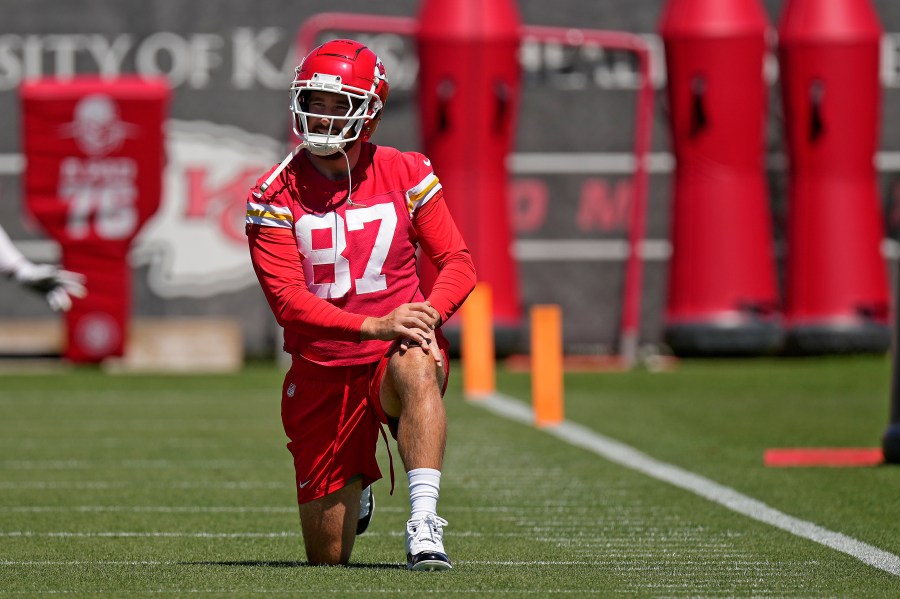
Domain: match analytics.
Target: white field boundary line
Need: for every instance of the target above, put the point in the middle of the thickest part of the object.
(631, 458)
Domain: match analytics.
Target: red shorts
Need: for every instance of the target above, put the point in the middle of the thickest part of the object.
(332, 416)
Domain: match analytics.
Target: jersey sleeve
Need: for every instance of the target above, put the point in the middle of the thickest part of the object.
(427, 188)
(271, 208)
(277, 264)
(439, 237)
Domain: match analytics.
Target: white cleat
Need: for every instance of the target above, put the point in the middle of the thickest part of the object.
(425, 544)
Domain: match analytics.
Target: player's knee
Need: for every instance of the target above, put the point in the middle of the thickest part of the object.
(413, 369)
(333, 555)
(327, 561)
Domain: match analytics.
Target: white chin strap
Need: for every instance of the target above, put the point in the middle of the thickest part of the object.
(325, 144)
(281, 167)
(317, 149)
(294, 152)
(323, 148)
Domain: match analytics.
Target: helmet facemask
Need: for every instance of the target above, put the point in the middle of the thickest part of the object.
(343, 67)
(364, 107)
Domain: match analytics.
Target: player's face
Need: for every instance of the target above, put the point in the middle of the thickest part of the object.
(328, 105)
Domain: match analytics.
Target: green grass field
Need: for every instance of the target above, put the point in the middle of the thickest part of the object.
(125, 485)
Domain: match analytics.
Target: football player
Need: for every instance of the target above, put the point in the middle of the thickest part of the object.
(334, 232)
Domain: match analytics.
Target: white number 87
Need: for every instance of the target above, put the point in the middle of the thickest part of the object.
(373, 279)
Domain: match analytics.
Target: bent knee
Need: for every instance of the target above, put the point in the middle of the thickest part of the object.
(328, 554)
(327, 561)
(414, 367)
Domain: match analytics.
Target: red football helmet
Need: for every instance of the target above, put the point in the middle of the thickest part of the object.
(341, 67)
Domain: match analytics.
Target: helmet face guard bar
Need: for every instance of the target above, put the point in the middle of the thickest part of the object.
(340, 66)
(363, 105)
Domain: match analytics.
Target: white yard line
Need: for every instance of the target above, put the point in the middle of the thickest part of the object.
(79, 562)
(151, 534)
(183, 563)
(117, 534)
(295, 592)
(118, 484)
(153, 509)
(227, 509)
(162, 464)
(631, 458)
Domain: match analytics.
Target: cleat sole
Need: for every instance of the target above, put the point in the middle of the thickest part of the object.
(429, 566)
(429, 562)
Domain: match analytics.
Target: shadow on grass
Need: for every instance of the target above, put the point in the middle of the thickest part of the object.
(291, 564)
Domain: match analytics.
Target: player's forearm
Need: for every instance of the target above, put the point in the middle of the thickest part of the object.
(280, 274)
(371, 328)
(454, 283)
(297, 309)
(443, 244)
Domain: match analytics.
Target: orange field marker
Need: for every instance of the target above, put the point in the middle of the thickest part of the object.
(546, 364)
(477, 337)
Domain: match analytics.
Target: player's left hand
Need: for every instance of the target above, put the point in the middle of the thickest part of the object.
(57, 285)
(429, 346)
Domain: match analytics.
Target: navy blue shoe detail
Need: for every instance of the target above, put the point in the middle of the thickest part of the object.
(363, 524)
(428, 561)
(425, 543)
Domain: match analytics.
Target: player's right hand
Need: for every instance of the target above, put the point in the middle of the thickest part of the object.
(414, 321)
(57, 286)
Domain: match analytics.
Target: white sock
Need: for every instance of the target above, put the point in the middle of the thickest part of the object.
(424, 488)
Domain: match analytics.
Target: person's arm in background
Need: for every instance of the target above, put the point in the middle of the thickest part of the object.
(56, 285)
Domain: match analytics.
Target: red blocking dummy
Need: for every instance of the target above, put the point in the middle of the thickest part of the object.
(722, 296)
(836, 296)
(94, 154)
(469, 80)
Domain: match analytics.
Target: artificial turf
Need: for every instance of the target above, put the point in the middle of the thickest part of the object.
(128, 485)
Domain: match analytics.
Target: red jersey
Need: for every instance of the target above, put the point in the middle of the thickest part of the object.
(326, 263)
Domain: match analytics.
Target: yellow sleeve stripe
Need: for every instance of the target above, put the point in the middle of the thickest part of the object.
(421, 193)
(269, 216)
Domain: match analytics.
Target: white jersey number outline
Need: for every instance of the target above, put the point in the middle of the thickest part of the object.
(101, 194)
(113, 210)
(373, 279)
